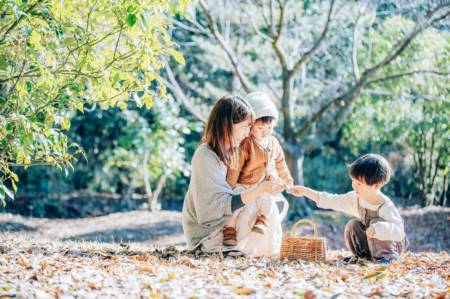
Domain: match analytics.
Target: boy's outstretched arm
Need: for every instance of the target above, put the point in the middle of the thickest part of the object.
(304, 191)
(346, 203)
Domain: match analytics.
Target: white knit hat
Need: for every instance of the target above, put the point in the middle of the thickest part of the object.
(262, 105)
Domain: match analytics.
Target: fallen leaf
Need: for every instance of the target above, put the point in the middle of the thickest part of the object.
(23, 262)
(309, 295)
(379, 272)
(441, 295)
(91, 285)
(376, 292)
(171, 276)
(148, 269)
(244, 291)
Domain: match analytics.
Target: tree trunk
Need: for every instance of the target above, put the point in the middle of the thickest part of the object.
(301, 207)
(294, 162)
(443, 198)
(152, 197)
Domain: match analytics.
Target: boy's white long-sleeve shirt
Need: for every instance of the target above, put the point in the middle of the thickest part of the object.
(389, 229)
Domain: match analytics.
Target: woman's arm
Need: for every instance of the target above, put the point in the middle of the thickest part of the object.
(211, 195)
(270, 187)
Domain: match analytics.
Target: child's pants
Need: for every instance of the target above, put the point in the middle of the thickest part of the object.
(357, 242)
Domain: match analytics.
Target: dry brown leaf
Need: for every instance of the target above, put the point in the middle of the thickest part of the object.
(376, 292)
(188, 263)
(147, 269)
(267, 285)
(23, 262)
(91, 285)
(171, 276)
(309, 295)
(145, 257)
(441, 295)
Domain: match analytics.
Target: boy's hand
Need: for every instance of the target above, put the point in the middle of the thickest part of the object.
(296, 191)
(370, 232)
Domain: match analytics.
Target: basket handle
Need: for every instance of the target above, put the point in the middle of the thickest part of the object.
(304, 221)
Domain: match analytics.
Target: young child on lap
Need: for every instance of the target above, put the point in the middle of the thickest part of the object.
(259, 158)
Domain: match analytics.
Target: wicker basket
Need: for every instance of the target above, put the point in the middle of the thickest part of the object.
(312, 249)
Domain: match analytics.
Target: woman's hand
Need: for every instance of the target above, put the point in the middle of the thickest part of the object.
(271, 187)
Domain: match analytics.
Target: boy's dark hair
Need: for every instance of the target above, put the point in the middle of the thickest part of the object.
(266, 119)
(371, 169)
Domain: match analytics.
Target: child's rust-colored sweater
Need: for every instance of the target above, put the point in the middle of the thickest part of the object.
(257, 162)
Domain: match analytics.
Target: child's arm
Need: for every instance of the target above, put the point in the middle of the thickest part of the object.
(236, 163)
(280, 165)
(345, 203)
(391, 228)
(304, 191)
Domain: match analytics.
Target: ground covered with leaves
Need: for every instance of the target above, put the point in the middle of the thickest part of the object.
(131, 254)
(67, 269)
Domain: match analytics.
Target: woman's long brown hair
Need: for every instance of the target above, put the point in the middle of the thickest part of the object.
(218, 132)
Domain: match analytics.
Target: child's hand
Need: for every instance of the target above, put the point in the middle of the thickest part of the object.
(275, 179)
(370, 232)
(296, 191)
(270, 187)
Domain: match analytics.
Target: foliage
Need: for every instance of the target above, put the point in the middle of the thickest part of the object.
(361, 63)
(407, 117)
(57, 57)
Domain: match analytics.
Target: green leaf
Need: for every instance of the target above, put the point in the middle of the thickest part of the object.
(3, 63)
(2, 192)
(14, 176)
(148, 101)
(65, 124)
(178, 56)
(144, 21)
(8, 192)
(131, 20)
(14, 186)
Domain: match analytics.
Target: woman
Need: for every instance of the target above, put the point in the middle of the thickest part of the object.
(210, 201)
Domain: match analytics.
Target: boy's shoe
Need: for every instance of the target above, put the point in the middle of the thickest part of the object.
(232, 253)
(349, 259)
(353, 260)
(260, 225)
(385, 260)
(229, 236)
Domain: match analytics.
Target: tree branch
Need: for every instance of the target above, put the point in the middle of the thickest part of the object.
(355, 67)
(353, 92)
(196, 29)
(420, 27)
(180, 96)
(276, 38)
(231, 56)
(3, 107)
(15, 23)
(315, 47)
(395, 76)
